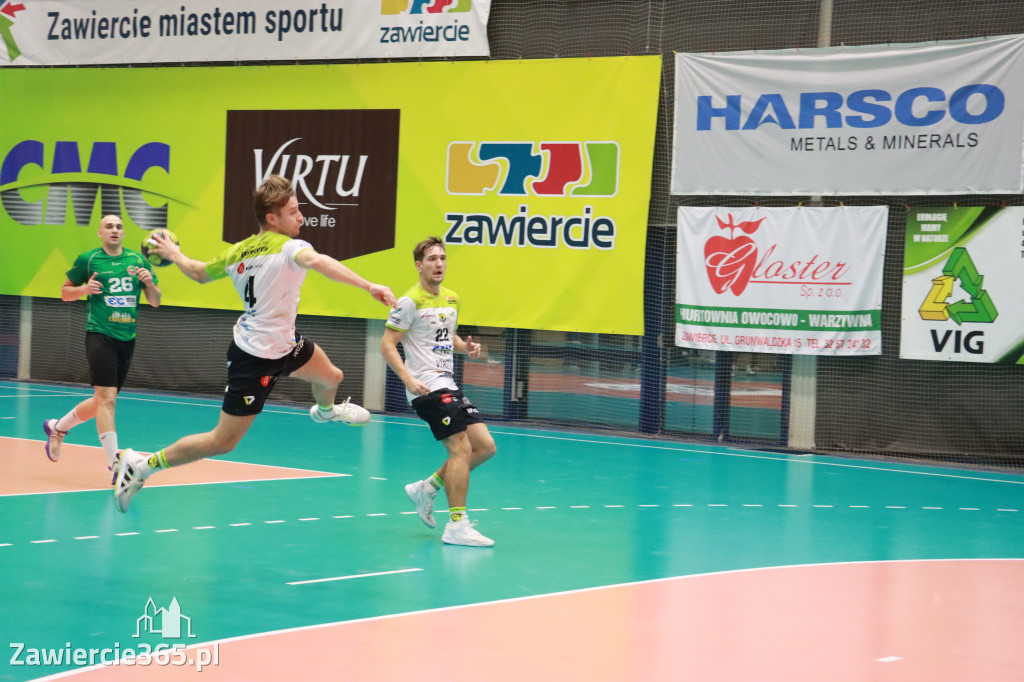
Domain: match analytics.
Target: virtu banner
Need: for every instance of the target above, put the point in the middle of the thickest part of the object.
(802, 281)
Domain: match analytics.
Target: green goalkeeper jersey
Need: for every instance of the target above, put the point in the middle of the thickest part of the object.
(114, 311)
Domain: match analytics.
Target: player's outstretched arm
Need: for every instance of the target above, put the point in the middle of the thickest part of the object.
(193, 269)
(333, 269)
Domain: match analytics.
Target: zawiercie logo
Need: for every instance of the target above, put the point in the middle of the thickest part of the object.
(730, 261)
(343, 165)
(959, 268)
(424, 6)
(543, 169)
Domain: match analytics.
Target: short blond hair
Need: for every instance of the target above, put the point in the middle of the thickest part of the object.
(270, 197)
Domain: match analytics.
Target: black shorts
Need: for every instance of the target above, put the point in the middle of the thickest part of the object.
(250, 379)
(447, 412)
(109, 359)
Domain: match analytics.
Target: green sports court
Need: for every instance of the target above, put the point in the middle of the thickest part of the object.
(612, 554)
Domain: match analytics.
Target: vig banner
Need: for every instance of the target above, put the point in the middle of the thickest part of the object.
(802, 281)
(74, 32)
(963, 271)
(535, 173)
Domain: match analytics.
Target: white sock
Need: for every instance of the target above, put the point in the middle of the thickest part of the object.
(68, 421)
(109, 441)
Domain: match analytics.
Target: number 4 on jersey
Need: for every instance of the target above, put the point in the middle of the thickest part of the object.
(249, 297)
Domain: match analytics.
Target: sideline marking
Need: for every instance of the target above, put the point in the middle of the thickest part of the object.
(356, 575)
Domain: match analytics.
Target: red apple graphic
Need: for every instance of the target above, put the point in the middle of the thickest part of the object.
(730, 260)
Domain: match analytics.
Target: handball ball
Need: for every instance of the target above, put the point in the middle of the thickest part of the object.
(155, 258)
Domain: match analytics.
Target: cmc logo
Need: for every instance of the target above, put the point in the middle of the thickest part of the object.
(424, 6)
(61, 162)
(543, 169)
(870, 108)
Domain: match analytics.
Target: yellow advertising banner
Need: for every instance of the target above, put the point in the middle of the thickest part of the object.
(536, 174)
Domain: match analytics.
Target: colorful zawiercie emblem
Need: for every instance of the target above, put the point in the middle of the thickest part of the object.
(424, 6)
(542, 169)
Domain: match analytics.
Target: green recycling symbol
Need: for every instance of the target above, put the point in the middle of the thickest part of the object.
(960, 268)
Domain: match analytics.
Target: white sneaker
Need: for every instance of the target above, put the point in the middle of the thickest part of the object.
(129, 481)
(348, 413)
(463, 533)
(423, 500)
(54, 439)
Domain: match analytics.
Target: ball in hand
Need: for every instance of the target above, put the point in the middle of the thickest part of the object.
(155, 258)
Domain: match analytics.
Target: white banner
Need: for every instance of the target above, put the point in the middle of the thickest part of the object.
(802, 281)
(71, 32)
(963, 271)
(927, 118)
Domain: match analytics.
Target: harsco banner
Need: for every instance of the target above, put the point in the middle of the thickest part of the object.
(73, 32)
(963, 271)
(927, 118)
(540, 193)
(802, 281)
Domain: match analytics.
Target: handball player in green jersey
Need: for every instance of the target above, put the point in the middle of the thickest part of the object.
(424, 322)
(268, 270)
(112, 277)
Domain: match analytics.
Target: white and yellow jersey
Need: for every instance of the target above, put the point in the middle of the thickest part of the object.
(268, 279)
(429, 323)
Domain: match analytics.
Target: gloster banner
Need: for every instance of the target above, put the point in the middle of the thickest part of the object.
(72, 32)
(963, 271)
(926, 118)
(802, 281)
(536, 174)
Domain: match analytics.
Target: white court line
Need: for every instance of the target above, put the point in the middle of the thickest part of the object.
(356, 575)
(47, 395)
